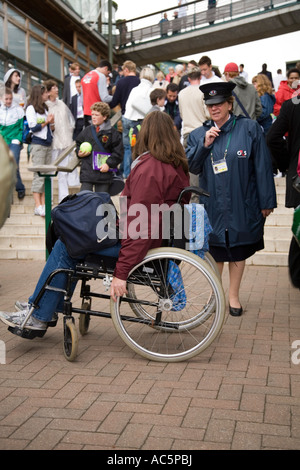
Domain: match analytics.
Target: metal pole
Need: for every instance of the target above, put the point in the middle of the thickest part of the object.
(110, 45)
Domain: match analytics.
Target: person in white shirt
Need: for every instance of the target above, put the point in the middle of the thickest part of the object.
(62, 136)
(192, 108)
(243, 73)
(193, 112)
(182, 12)
(278, 79)
(69, 85)
(207, 73)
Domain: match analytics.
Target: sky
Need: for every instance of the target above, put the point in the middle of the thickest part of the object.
(275, 51)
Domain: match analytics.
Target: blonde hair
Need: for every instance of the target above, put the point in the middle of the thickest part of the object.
(131, 66)
(263, 84)
(102, 108)
(147, 74)
(160, 74)
(74, 66)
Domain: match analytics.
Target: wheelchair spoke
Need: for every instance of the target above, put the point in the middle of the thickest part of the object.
(182, 306)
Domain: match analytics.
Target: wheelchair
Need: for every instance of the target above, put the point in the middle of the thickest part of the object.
(158, 320)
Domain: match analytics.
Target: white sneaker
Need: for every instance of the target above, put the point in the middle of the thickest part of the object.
(17, 318)
(21, 305)
(39, 211)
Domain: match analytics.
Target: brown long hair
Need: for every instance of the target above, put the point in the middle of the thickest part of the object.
(36, 99)
(159, 137)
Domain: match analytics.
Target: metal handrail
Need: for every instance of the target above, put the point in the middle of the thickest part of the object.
(148, 28)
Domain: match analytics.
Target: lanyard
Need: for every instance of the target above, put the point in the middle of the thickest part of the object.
(227, 146)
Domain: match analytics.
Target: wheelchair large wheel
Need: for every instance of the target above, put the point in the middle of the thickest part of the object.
(207, 307)
(178, 302)
(213, 265)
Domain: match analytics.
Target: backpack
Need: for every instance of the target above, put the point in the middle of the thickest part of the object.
(85, 222)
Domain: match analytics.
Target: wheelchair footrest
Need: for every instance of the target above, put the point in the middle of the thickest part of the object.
(26, 333)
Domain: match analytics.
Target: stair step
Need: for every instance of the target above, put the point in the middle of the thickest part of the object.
(263, 258)
(278, 232)
(23, 235)
(24, 218)
(38, 254)
(277, 246)
(22, 230)
(23, 242)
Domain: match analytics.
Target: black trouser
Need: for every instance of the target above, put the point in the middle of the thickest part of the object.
(79, 125)
(99, 187)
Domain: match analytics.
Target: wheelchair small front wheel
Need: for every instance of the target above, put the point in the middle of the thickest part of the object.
(70, 344)
(84, 318)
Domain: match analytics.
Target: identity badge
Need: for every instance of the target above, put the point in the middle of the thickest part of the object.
(220, 166)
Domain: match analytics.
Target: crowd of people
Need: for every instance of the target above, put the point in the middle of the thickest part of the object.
(213, 129)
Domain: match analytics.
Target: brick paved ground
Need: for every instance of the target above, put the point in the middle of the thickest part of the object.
(241, 393)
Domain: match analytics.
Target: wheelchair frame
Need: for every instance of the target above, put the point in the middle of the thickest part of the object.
(150, 319)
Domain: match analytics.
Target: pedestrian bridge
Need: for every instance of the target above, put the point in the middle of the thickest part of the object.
(146, 40)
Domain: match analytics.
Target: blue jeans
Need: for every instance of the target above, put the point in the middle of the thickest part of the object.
(16, 149)
(59, 258)
(125, 166)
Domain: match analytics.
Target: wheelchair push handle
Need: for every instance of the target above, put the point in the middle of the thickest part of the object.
(192, 189)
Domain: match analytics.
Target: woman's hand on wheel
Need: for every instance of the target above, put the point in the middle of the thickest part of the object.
(117, 288)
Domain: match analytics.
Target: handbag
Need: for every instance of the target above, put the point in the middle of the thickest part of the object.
(117, 184)
(85, 222)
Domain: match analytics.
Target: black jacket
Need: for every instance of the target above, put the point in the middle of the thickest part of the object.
(111, 140)
(286, 151)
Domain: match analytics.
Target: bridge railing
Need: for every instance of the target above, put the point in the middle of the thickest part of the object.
(197, 15)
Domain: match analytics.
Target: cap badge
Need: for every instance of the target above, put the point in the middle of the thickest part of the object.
(213, 93)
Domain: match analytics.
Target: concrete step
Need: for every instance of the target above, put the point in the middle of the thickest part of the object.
(22, 230)
(26, 254)
(264, 258)
(23, 235)
(22, 242)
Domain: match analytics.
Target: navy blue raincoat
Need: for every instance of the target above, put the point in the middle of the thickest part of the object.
(237, 195)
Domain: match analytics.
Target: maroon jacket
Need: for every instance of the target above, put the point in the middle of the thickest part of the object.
(150, 182)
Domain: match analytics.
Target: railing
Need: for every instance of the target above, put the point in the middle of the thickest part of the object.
(150, 27)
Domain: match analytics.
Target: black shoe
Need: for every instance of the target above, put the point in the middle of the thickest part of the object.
(21, 194)
(235, 312)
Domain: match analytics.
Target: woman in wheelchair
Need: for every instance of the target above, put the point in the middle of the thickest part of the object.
(158, 175)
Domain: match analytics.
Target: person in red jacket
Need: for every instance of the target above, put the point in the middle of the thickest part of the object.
(94, 88)
(287, 89)
(158, 177)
